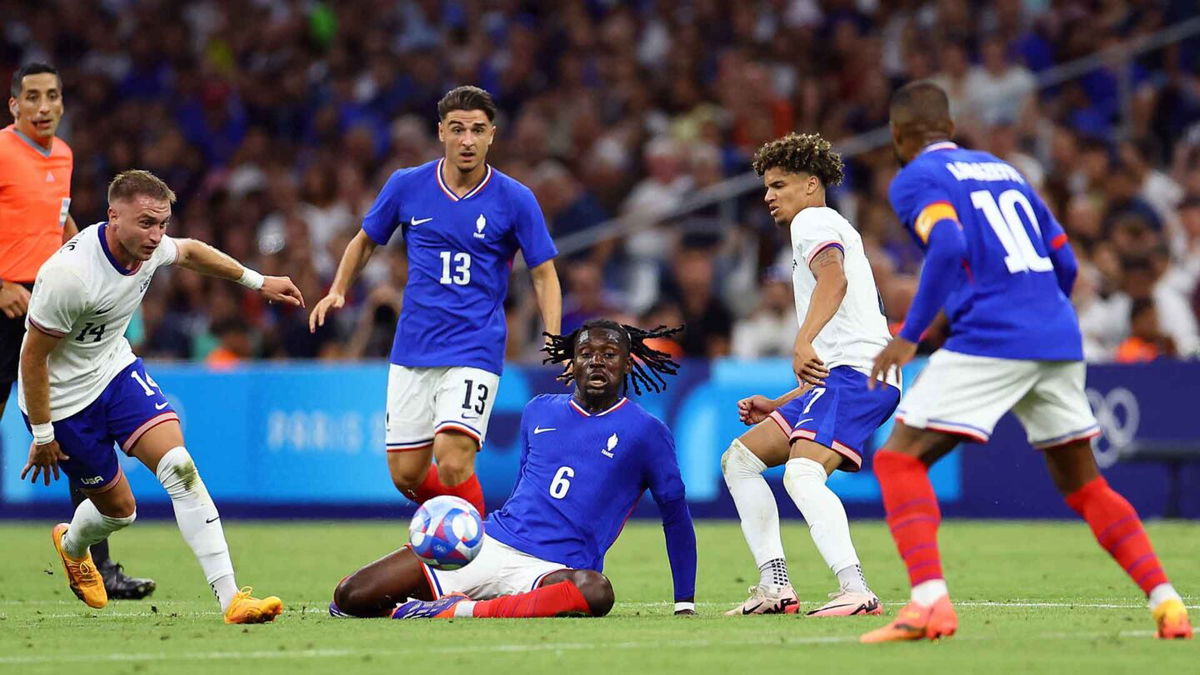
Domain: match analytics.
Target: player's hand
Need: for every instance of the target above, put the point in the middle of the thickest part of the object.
(809, 367)
(897, 353)
(14, 300)
(317, 318)
(755, 409)
(43, 459)
(281, 289)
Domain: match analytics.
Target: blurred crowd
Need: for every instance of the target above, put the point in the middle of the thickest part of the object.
(276, 121)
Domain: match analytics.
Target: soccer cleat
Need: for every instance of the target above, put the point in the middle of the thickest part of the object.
(762, 602)
(1172, 619)
(848, 603)
(82, 576)
(442, 608)
(916, 622)
(121, 586)
(246, 608)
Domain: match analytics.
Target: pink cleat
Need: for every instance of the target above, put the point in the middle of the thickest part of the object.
(762, 602)
(849, 603)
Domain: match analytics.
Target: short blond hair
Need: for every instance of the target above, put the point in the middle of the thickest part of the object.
(135, 182)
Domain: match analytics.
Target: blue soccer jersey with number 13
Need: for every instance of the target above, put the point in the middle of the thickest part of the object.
(1006, 301)
(460, 252)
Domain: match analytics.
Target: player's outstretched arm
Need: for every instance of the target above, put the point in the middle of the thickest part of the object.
(756, 408)
(357, 253)
(198, 256)
(549, 295)
(44, 453)
(827, 267)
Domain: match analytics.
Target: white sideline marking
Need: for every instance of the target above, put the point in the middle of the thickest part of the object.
(633, 605)
(512, 648)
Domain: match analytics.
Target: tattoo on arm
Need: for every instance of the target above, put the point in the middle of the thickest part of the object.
(830, 255)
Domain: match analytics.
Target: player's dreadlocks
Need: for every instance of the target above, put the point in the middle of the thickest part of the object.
(649, 364)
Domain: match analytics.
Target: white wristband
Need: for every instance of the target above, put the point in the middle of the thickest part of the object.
(43, 433)
(680, 606)
(251, 279)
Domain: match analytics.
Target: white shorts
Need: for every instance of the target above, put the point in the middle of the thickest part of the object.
(498, 570)
(966, 395)
(424, 401)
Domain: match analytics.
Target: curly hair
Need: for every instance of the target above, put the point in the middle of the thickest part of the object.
(649, 364)
(801, 153)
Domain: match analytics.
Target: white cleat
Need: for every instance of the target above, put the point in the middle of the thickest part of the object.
(762, 602)
(848, 603)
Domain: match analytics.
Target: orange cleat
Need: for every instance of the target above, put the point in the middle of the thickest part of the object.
(1172, 619)
(82, 575)
(246, 608)
(916, 622)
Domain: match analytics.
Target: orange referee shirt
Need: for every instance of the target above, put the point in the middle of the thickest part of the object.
(35, 195)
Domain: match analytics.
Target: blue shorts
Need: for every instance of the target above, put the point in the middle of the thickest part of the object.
(842, 415)
(129, 406)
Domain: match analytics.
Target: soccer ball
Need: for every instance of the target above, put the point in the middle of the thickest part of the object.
(446, 532)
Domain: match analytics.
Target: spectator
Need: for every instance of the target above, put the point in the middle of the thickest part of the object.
(771, 329)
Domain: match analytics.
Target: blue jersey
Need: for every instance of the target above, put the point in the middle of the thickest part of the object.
(580, 477)
(460, 252)
(1006, 301)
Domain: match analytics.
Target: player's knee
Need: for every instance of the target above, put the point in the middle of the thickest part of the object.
(351, 597)
(407, 476)
(117, 504)
(596, 589)
(739, 461)
(178, 473)
(457, 463)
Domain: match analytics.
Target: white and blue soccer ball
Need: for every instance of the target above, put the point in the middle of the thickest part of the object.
(446, 532)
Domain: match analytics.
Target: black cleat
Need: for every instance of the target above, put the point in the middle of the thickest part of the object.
(121, 586)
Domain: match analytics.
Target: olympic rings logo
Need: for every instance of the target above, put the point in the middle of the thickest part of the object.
(1118, 415)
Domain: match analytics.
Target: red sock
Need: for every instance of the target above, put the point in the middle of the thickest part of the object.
(912, 513)
(470, 490)
(547, 601)
(1119, 531)
(429, 488)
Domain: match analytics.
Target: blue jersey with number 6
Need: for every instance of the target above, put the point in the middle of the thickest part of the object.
(581, 475)
(460, 251)
(1006, 301)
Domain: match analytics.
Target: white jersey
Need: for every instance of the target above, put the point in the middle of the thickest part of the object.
(83, 296)
(859, 330)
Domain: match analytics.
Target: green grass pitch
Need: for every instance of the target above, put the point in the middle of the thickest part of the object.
(1031, 597)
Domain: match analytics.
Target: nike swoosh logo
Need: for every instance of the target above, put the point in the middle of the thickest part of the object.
(105, 311)
(210, 521)
(418, 221)
(750, 610)
(160, 406)
(541, 430)
(806, 419)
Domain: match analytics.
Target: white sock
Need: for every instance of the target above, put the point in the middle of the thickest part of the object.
(198, 520)
(1160, 594)
(755, 504)
(805, 482)
(851, 578)
(927, 592)
(89, 526)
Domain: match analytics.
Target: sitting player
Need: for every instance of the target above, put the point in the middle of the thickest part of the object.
(586, 459)
(822, 425)
(82, 389)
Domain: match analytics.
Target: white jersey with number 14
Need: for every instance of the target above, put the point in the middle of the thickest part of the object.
(86, 298)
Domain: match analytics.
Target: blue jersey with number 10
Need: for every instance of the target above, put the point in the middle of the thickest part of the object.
(460, 252)
(1006, 301)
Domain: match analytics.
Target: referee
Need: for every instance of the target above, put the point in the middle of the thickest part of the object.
(35, 220)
